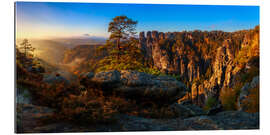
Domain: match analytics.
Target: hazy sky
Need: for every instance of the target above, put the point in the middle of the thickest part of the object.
(49, 20)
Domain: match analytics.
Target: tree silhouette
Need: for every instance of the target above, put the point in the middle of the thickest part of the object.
(27, 48)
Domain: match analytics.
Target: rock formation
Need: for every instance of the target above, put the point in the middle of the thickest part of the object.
(181, 54)
(222, 66)
(245, 92)
(137, 85)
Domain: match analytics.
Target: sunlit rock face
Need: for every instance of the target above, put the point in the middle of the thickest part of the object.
(222, 67)
(167, 51)
(157, 47)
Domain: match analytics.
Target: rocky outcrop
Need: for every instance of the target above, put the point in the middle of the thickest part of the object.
(225, 120)
(137, 85)
(222, 71)
(245, 92)
(198, 94)
(236, 120)
(29, 117)
(156, 54)
(169, 55)
(228, 120)
(191, 55)
(157, 47)
(185, 111)
(54, 79)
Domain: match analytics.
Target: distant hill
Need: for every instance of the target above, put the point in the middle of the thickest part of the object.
(52, 51)
(81, 58)
(82, 41)
(80, 52)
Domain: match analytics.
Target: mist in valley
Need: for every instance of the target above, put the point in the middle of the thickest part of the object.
(52, 54)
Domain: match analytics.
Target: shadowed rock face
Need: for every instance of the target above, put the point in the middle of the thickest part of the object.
(133, 84)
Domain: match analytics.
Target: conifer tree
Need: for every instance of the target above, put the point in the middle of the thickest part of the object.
(121, 28)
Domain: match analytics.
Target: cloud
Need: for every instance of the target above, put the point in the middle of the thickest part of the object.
(86, 35)
(213, 26)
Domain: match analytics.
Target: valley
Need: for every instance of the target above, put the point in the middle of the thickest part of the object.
(139, 81)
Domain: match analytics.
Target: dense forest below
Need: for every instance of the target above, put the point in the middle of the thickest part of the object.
(156, 76)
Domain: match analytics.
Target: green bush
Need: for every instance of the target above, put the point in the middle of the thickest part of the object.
(210, 102)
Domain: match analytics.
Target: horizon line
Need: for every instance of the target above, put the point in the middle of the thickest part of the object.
(137, 34)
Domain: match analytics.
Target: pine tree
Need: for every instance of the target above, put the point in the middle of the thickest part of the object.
(27, 48)
(121, 28)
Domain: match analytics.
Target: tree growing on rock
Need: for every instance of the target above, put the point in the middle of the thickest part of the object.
(121, 52)
(25, 52)
(121, 28)
(27, 48)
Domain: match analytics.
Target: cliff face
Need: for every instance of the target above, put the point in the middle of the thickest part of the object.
(222, 71)
(157, 47)
(205, 62)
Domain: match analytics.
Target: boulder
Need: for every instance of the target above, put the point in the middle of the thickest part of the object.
(57, 78)
(216, 109)
(29, 117)
(137, 85)
(226, 120)
(236, 120)
(199, 123)
(36, 69)
(23, 96)
(185, 111)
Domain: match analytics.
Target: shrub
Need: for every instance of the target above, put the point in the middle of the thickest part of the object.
(87, 108)
(251, 103)
(210, 102)
(228, 98)
(250, 74)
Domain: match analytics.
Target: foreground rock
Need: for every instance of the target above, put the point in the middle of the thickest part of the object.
(185, 111)
(29, 117)
(236, 120)
(221, 121)
(137, 85)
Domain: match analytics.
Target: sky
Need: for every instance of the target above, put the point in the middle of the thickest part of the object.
(56, 20)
